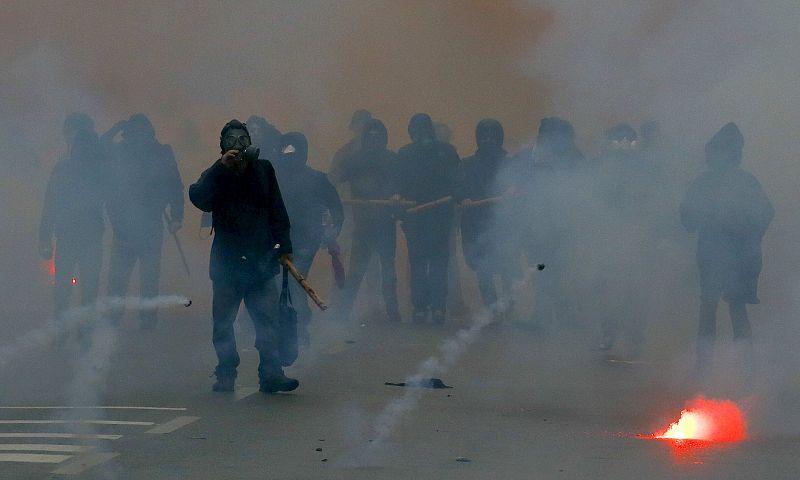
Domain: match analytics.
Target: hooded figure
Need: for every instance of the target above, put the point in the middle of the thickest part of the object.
(73, 214)
(428, 170)
(480, 180)
(371, 174)
(264, 135)
(252, 235)
(730, 212)
(314, 208)
(145, 182)
(357, 122)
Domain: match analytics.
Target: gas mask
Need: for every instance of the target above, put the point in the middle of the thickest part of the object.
(238, 139)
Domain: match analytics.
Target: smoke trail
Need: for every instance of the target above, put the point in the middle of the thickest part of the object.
(81, 316)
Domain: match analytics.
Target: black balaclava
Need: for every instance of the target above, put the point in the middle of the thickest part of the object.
(293, 149)
(374, 136)
(420, 128)
(724, 150)
(233, 125)
(359, 120)
(555, 133)
(263, 133)
(622, 137)
(489, 135)
(85, 147)
(139, 130)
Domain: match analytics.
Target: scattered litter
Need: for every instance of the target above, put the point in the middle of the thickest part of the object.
(420, 383)
(324, 459)
(319, 449)
(463, 459)
(540, 267)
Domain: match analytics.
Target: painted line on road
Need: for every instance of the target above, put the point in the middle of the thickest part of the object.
(170, 409)
(244, 392)
(82, 463)
(79, 422)
(33, 458)
(172, 425)
(43, 447)
(82, 436)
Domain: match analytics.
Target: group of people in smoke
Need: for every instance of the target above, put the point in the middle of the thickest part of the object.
(545, 204)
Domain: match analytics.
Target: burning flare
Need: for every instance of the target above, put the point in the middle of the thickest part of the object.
(709, 420)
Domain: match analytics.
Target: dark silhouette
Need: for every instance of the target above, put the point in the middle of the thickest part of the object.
(265, 136)
(310, 199)
(730, 212)
(428, 170)
(73, 214)
(357, 122)
(145, 181)
(252, 235)
(480, 236)
(371, 174)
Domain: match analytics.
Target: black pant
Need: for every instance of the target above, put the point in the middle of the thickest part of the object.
(124, 255)
(85, 255)
(261, 299)
(367, 241)
(428, 255)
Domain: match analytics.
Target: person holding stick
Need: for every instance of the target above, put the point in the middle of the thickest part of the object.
(252, 237)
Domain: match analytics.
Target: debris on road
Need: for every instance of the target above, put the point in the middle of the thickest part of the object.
(435, 383)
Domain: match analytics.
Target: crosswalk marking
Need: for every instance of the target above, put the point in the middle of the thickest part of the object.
(79, 422)
(43, 447)
(172, 425)
(33, 457)
(84, 462)
(82, 436)
(172, 409)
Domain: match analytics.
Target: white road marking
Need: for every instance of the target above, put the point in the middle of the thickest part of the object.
(82, 463)
(33, 458)
(172, 425)
(244, 392)
(172, 409)
(43, 447)
(79, 422)
(61, 435)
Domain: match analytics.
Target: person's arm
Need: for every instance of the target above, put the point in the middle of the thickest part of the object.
(331, 200)
(279, 219)
(107, 138)
(47, 223)
(205, 192)
(175, 197)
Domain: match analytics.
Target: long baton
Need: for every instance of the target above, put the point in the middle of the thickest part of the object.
(304, 284)
(180, 247)
(429, 205)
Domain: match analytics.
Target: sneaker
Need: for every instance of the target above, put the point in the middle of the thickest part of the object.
(277, 383)
(224, 383)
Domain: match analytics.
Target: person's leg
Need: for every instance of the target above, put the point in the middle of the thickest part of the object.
(386, 246)
(261, 300)
(225, 306)
(123, 259)
(303, 259)
(89, 265)
(417, 261)
(66, 256)
(149, 275)
(438, 261)
(740, 321)
(360, 254)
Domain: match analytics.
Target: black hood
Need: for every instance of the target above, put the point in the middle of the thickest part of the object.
(489, 134)
(420, 128)
(725, 147)
(300, 144)
(374, 135)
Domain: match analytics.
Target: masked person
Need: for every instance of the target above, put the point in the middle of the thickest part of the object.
(315, 211)
(251, 238)
(371, 174)
(730, 212)
(357, 122)
(145, 182)
(73, 214)
(546, 178)
(265, 136)
(427, 171)
(481, 242)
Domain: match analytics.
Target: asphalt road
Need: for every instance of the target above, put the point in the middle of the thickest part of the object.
(521, 407)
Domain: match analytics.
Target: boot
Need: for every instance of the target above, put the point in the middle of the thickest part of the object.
(277, 382)
(226, 381)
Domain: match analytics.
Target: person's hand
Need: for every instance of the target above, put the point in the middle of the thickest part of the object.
(286, 257)
(174, 226)
(229, 158)
(46, 250)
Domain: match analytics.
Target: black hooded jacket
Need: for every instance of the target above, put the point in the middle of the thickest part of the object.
(427, 168)
(307, 193)
(249, 219)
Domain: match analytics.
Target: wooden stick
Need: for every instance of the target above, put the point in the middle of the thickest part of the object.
(379, 203)
(304, 283)
(429, 205)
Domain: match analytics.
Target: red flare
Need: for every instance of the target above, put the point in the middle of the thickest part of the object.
(74, 281)
(707, 420)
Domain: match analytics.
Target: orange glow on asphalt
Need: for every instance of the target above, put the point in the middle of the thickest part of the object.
(707, 420)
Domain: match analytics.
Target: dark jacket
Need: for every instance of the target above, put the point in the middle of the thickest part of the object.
(74, 200)
(145, 181)
(249, 219)
(480, 179)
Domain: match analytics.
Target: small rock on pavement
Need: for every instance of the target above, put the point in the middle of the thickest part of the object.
(463, 459)
(319, 449)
